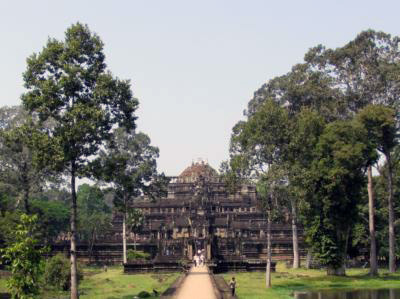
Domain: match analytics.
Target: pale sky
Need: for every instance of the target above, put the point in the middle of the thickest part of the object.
(194, 65)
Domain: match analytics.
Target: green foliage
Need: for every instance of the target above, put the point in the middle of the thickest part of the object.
(53, 217)
(57, 272)
(11, 117)
(68, 85)
(7, 199)
(272, 189)
(333, 185)
(24, 259)
(364, 71)
(135, 220)
(134, 255)
(8, 222)
(94, 215)
(380, 123)
(21, 164)
(235, 172)
(264, 137)
(296, 122)
(130, 164)
(381, 191)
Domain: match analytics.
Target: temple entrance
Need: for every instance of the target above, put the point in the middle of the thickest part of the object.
(201, 246)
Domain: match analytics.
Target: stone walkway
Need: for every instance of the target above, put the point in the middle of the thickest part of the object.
(197, 285)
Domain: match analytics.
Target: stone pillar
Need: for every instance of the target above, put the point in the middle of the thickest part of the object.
(208, 253)
(190, 251)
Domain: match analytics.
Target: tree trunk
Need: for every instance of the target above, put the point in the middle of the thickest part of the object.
(74, 277)
(346, 246)
(124, 237)
(371, 207)
(134, 240)
(340, 270)
(392, 256)
(308, 258)
(336, 271)
(26, 199)
(92, 244)
(296, 256)
(25, 187)
(268, 270)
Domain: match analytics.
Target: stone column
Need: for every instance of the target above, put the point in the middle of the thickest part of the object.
(208, 253)
(190, 251)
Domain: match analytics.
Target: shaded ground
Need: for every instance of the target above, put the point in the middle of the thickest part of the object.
(197, 285)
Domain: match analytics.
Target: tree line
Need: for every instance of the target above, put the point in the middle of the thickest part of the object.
(310, 141)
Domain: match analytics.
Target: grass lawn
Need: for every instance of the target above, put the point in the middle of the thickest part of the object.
(112, 284)
(251, 285)
(3, 288)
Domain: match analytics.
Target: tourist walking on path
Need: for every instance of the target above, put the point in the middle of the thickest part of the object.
(232, 285)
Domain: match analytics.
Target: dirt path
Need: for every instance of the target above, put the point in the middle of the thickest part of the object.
(197, 285)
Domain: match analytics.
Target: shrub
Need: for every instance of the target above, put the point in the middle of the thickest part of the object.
(23, 258)
(133, 255)
(144, 294)
(58, 272)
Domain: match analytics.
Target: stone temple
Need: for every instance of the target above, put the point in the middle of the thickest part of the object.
(200, 213)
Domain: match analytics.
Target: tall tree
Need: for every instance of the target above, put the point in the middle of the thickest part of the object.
(299, 89)
(21, 164)
(67, 83)
(365, 71)
(380, 122)
(371, 223)
(333, 183)
(339, 82)
(129, 164)
(271, 189)
(306, 127)
(257, 145)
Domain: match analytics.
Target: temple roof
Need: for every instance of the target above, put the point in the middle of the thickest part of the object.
(199, 169)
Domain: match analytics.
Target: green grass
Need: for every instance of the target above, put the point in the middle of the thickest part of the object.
(251, 285)
(3, 279)
(112, 284)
